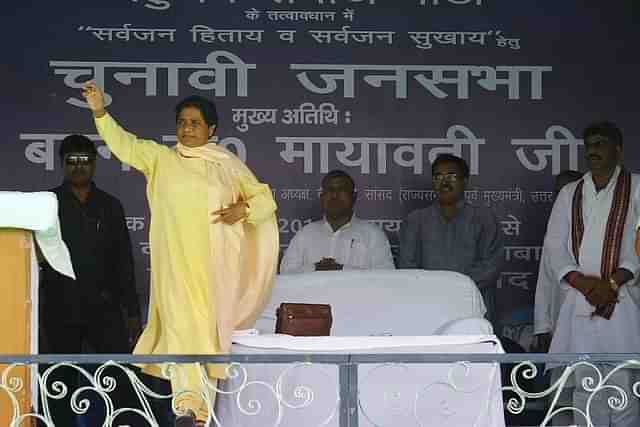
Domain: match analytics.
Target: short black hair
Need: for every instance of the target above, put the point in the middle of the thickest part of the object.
(459, 161)
(606, 129)
(77, 144)
(206, 107)
(337, 173)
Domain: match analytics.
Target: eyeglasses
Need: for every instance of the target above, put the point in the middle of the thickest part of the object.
(78, 159)
(448, 177)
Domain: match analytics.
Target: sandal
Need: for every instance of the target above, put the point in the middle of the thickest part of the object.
(187, 420)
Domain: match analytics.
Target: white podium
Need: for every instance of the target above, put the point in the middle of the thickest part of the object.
(22, 215)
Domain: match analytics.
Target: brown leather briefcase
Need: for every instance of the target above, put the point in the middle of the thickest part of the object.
(304, 319)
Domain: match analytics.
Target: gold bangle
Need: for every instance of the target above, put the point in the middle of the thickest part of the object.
(613, 284)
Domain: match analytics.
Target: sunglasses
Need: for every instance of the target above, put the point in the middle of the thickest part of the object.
(446, 177)
(78, 159)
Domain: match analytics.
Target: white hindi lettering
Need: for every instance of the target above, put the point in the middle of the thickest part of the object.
(305, 114)
(414, 147)
(409, 194)
(541, 196)
(292, 226)
(297, 15)
(104, 34)
(210, 75)
(166, 4)
(488, 196)
(253, 116)
(511, 227)
(515, 279)
(145, 248)
(288, 36)
(377, 194)
(156, 4)
(492, 196)
(472, 195)
(204, 34)
(555, 138)
(388, 225)
(522, 253)
(429, 77)
(41, 149)
(295, 194)
(490, 81)
(252, 14)
(125, 33)
(456, 2)
(348, 14)
(347, 36)
(135, 223)
(423, 39)
(239, 148)
(511, 43)
(308, 114)
(330, 80)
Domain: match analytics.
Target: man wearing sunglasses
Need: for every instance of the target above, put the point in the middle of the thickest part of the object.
(90, 309)
(454, 235)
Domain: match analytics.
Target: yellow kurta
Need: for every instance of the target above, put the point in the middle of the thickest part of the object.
(183, 309)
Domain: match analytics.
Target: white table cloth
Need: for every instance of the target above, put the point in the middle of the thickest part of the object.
(380, 302)
(390, 394)
(38, 212)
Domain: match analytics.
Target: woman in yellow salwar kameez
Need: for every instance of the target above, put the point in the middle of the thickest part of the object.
(213, 241)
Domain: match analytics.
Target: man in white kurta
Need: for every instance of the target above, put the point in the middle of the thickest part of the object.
(357, 245)
(549, 295)
(578, 329)
(339, 241)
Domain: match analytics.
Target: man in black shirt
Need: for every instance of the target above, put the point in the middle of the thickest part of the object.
(91, 309)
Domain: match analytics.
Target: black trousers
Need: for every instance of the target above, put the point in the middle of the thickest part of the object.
(104, 332)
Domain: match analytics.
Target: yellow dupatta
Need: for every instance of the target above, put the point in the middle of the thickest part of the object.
(245, 254)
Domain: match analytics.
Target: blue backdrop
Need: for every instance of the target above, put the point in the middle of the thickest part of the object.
(369, 86)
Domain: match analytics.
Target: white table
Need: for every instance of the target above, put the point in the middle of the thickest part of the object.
(389, 394)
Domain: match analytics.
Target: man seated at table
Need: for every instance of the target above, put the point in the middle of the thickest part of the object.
(340, 240)
(452, 234)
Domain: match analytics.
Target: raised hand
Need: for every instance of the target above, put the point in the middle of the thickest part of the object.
(95, 98)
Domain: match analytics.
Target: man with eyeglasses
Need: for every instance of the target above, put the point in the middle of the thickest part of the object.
(452, 234)
(339, 241)
(101, 307)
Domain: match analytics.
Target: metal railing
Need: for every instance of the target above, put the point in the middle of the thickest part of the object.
(597, 374)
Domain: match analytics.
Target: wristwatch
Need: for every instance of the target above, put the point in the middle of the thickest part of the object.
(613, 284)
